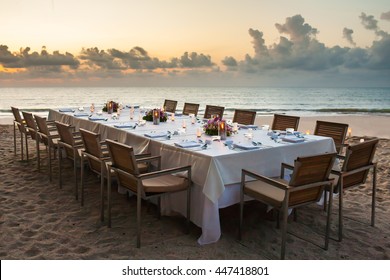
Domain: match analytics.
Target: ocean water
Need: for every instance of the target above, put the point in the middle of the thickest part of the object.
(266, 101)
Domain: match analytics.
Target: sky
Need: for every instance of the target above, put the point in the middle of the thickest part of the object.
(279, 43)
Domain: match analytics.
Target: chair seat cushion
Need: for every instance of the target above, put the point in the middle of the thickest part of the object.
(165, 183)
(265, 192)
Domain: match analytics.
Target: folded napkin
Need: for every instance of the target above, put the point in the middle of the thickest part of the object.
(248, 126)
(155, 134)
(124, 125)
(187, 144)
(293, 139)
(81, 115)
(94, 118)
(64, 110)
(246, 146)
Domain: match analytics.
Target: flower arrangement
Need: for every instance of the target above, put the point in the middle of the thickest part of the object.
(211, 127)
(114, 106)
(149, 116)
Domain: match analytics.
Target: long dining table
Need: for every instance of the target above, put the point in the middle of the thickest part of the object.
(216, 167)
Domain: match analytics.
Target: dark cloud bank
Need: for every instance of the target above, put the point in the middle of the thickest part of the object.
(298, 59)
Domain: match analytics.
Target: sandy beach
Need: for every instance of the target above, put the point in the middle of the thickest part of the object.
(38, 220)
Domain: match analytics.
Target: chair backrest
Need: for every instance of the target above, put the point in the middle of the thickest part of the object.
(66, 136)
(16, 113)
(308, 170)
(281, 122)
(338, 131)
(123, 159)
(170, 105)
(31, 124)
(190, 108)
(43, 129)
(92, 147)
(359, 156)
(212, 110)
(18, 119)
(244, 117)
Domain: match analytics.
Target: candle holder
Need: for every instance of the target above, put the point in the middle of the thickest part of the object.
(222, 130)
(156, 116)
(235, 127)
(110, 107)
(131, 112)
(198, 132)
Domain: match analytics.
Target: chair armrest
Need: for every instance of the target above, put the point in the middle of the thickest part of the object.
(265, 179)
(139, 156)
(165, 171)
(150, 159)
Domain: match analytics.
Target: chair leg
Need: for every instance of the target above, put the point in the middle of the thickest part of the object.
(188, 209)
(49, 147)
(138, 219)
(325, 199)
(14, 140)
(38, 156)
(75, 174)
(102, 191)
(60, 167)
(26, 141)
(373, 197)
(328, 219)
(82, 180)
(341, 194)
(21, 145)
(284, 231)
(109, 197)
(241, 212)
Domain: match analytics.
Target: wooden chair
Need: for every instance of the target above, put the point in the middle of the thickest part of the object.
(48, 135)
(244, 117)
(190, 108)
(308, 180)
(356, 165)
(281, 122)
(97, 156)
(337, 131)
(213, 111)
(21, 125)
(147, 185)
(31, 127)
(170, 106)
(71, 145)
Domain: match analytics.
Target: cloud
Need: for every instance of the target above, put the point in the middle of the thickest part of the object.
(23, 59)
(347, 34)
(297, 29)
(194, 60)
(386, 16)
(300, 50)
(370, 23)
(230, 62)
(297, 56)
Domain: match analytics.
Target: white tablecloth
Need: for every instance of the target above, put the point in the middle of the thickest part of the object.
(216, 171)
